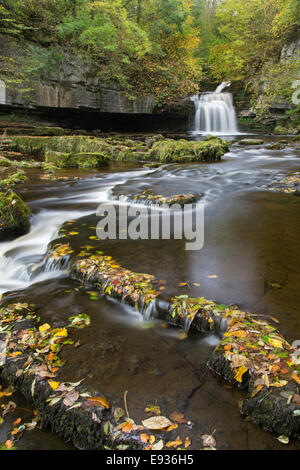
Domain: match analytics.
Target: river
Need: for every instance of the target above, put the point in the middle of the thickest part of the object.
(252, 248)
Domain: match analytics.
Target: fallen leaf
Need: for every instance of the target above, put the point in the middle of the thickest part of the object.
(44, 327)
(175, 444)
(127, 427)
(144, 438)
(283, 439)
(187, 442)
(54, 385)
(239, 375)
(158, 446)
(157, 422)
(295, 377)
(97, 401)
(209, 440)
(177, 417)
(71, 398)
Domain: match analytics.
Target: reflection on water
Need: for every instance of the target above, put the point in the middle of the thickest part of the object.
(251, 248)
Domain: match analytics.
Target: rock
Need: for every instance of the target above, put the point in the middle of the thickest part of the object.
(276, 146)
(281, 130)
(76, 160)
(181, 151)
(251, 142)
(14, 216)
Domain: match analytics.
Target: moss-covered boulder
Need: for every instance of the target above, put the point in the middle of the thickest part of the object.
(282, 130)
(14, 216)
(251, 142)
(170, 150)
(76, 160)
(275, 146)
(86, 151)
(12, 179)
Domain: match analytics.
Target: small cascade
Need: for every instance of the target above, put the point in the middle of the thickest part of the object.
(215, 112)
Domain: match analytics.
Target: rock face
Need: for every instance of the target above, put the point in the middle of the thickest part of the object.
(75, 86)
(14, 216)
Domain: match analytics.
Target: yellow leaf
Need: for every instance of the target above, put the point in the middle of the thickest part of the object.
(96, 401)
(238, 333)
(296, 377)
(44, 327)
(213, 276)
(275, 342)
(53, 385)
(61, 333)
(239, 375)
(280, 383)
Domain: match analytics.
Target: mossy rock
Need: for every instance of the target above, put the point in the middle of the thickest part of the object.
(276, 146)
(281, 130)
(16, 178)
(49, 131)
(5, 162)
(182, 150)
(251, 142)
(14, 216)
(76, 160)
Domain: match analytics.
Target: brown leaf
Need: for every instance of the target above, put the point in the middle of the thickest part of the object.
(296, 399)
(177, 417)
(209, 440)
(157, 422)
(71, 398)
(97, 401)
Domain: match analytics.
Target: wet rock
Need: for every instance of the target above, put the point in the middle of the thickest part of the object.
(181, 151)
(281, 130)
(14, 216)
(251, 142)
(276, 146)
(76, 160)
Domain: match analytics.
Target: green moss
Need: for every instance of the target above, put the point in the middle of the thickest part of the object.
(170, 150)
(14, 215)
(15, 178)
(48, 131)
(76, 160)
(251, 142)
(289, 130)
(98, 151)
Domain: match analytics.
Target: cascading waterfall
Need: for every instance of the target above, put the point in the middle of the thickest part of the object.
(214, 112)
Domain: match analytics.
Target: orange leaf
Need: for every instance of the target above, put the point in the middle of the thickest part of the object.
(15, 431)
(175, 444)
(17, 421)
(127, 427)
(144, 438)
(296, 377)
(9, 444)
(97, 401)
(187, 442)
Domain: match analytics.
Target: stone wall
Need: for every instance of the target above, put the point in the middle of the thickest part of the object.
(76, 85)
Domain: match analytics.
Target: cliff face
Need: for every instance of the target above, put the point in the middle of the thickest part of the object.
(75, 85)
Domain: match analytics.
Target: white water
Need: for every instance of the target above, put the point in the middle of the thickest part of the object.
(22, 260)
(215, 112)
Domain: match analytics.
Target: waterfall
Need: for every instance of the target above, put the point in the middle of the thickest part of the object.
(214, 112)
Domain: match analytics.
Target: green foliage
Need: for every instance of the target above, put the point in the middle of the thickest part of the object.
(160, 47)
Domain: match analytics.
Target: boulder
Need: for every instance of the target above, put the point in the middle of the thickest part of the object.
(251, 142)
(14, 216)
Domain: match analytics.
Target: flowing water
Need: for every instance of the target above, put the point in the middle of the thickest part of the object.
(251, 245)
(215, 112)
